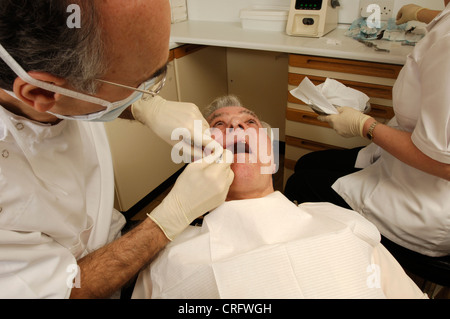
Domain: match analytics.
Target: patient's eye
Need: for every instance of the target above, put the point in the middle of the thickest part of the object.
(218, 124)
(252, 122)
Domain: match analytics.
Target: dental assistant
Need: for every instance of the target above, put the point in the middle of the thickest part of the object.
(60, 236)
(400, 182)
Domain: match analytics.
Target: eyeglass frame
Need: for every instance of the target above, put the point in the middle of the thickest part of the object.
(153, 93)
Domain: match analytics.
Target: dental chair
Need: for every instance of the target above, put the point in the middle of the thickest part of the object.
(432, 269)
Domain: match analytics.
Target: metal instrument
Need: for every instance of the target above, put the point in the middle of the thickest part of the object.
(372, 45)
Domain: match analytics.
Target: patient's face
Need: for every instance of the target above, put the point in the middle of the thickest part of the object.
(238, 130)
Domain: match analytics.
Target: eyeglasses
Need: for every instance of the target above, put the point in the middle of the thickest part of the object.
(151, 87)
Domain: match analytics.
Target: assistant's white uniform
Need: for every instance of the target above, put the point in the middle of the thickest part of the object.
(270, 248)
(56, 203)
(411, 207)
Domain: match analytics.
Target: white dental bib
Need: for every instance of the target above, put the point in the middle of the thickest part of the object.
(268, 248)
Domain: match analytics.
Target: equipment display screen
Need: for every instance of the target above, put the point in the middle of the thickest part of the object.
(308, 4)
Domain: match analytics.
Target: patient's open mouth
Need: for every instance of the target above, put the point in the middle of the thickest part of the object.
(239, 147)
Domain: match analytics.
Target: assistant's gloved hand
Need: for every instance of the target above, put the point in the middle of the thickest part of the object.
(201, 187)
(163, 116)
(348, 123)
(408, 13)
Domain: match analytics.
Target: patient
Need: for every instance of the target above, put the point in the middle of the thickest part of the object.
(258, 244)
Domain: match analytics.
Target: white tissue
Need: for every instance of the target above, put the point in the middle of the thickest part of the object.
(326, 96)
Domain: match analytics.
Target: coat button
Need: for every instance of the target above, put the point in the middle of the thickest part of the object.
(19, 126)
(5, 154)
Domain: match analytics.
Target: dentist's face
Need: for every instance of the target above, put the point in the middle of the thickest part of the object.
(240, 131)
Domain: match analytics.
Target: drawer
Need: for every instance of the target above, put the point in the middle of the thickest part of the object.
(308, 117)
(372, 90)
(186, 50)
(308, 144)
(346, 66)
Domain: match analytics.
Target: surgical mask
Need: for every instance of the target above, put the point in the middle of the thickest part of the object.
(112, 109)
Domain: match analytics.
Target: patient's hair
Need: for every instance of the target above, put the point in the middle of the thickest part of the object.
(223, 101)
(35, 33)
(226, 101)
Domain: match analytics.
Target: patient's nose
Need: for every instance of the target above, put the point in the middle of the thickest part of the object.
(237, 124)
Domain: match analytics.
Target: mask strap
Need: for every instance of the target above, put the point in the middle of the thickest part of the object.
(20, 72)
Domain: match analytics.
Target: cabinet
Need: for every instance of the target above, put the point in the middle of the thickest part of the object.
(201, 73)
(304, 133)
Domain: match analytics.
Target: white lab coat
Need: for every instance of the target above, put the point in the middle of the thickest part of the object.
(56, 202)
(411, 207)
(270, 248)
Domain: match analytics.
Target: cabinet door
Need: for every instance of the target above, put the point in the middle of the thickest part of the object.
(141, 159)
(258, 78)
(201, 73)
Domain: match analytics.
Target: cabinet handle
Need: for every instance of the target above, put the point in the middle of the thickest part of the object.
(304, 117)
(381, 111)
(346, 66)
(308, 144)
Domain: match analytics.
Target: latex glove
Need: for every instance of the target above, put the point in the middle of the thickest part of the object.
(201, 187)
(408, 13)
(163, 117)
(348, 123)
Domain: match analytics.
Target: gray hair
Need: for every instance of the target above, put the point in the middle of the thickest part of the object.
(226, 101)
(36, 35)
(220, 102)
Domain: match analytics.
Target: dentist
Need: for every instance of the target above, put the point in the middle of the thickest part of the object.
(59, 234)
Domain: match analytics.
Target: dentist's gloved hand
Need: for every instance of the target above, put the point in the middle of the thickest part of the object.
(201, 187)
(408, 13)
(163, 116)
(348, 123)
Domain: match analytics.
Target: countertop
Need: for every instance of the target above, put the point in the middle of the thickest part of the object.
(334, 44)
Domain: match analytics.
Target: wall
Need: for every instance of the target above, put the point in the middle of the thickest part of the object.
(228, 10)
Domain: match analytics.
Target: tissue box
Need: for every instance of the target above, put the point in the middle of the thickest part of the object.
(267, 18)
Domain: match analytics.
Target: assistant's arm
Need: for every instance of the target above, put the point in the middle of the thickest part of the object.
(412, 12)
(399, 144)
(427, 15)
(350, 122)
